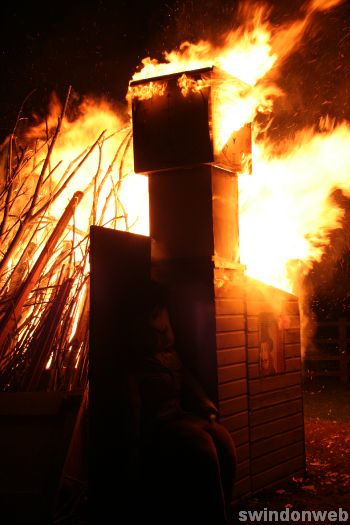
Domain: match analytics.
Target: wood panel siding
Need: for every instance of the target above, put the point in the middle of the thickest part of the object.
(232, 369)
(263, 413)
(275, 401)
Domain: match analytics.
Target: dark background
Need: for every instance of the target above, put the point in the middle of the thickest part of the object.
(96, 47)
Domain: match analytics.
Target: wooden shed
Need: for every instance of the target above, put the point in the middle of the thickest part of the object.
(240, 336)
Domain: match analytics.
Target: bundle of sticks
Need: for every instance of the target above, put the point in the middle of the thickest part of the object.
(44, 263)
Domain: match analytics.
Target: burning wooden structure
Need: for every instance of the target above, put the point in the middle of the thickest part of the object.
(229, 323)
(242, 337)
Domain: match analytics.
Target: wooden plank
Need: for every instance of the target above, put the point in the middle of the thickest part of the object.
(229, 307)
(272, 443)
(230, 323)
(240, 436)
(254, 287)
(293, 322)
(267, 461)
(242, 452)
(254, 308)
(279, 381)
(230, 340)
(277, 473)
(291, 336)
(254, 371)
(231, 356)
(255, 292)
(233, 406)
(236, 421)
(233, 389)
(253, 324)
(276, 427)
(253, 355)
(263, 415)
(117, 260)
(253, 339)
(241, 489)
(291, 308)
(242, 469)
(230, 287)
(231, 373)
(256, 305)
(292, 350)
(274, 397)
(292, 364)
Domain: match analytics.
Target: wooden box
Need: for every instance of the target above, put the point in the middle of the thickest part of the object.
(176, 121)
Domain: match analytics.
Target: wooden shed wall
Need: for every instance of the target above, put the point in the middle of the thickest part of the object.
(263, 414)
(232, 369)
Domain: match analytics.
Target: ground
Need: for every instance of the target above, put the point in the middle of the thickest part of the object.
(326, 486)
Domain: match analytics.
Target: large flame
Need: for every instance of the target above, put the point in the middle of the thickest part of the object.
(285, 211)
(106, 174)
(283, 206)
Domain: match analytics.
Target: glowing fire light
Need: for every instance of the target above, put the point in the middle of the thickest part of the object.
(284, 210)
(285, 214)
(283, 206)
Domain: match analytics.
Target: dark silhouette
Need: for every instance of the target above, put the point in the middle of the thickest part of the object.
(186, 458)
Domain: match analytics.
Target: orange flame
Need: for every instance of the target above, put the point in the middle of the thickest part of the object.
(284, 209)
(145, 92)
(105, 170)
(285, 213)
(283, 206)
(188, 85)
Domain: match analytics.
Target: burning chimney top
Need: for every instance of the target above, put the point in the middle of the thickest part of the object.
(188, 118)
(195, 73)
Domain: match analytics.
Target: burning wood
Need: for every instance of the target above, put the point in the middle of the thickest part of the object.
(44, 270)
(14, 313)
(284, 213)
(198, 116)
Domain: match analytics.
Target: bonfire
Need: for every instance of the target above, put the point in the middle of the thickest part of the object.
(65, 174)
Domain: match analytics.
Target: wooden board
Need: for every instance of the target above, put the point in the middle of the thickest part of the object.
(118, 259)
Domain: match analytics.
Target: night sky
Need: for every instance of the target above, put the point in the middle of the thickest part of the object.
(96, 47)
